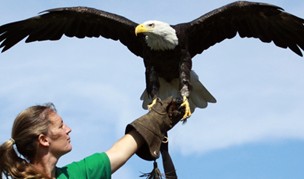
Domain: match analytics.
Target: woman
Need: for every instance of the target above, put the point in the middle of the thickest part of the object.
(41, 137)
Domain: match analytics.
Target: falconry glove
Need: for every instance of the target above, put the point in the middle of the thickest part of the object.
(154, 125)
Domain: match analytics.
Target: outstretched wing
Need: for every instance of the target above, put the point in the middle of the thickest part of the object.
(73, 22)
(248, 19)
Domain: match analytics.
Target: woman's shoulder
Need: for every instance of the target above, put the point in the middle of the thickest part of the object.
(96, 165)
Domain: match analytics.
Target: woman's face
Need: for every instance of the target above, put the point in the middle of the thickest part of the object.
(58, 135)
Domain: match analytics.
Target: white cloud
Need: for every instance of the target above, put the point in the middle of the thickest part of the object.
(204, 135)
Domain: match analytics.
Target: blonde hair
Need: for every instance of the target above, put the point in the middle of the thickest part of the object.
(16, 153)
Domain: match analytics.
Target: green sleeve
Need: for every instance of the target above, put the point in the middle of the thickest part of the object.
(94, 166)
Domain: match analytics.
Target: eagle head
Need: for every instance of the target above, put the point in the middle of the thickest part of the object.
(159, 35)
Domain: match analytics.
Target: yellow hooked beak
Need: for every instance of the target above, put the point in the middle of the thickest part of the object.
(140, 29)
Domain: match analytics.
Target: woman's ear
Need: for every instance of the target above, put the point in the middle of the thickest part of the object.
(43, 140)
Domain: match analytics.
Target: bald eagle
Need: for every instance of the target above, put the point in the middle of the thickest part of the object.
(167, 50)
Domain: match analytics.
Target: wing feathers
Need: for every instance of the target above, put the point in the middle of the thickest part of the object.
(77, 22)
(248, 19)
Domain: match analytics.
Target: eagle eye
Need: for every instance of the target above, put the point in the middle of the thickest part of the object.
(151, 25)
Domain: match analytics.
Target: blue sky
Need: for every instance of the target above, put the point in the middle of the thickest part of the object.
(254, 131)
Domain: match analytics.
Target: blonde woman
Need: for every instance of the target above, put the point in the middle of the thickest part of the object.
(41, 137)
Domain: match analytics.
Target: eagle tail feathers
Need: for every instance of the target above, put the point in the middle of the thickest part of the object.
(199, 95)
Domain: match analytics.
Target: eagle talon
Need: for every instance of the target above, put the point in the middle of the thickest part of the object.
(186, 105)
(152, 104)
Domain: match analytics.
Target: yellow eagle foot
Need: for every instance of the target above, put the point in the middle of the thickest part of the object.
(187, 108)
(153, 102)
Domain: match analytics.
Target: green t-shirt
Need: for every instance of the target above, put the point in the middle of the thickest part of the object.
(96, 166)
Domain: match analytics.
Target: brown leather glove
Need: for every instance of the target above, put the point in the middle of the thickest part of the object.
(154, 125)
